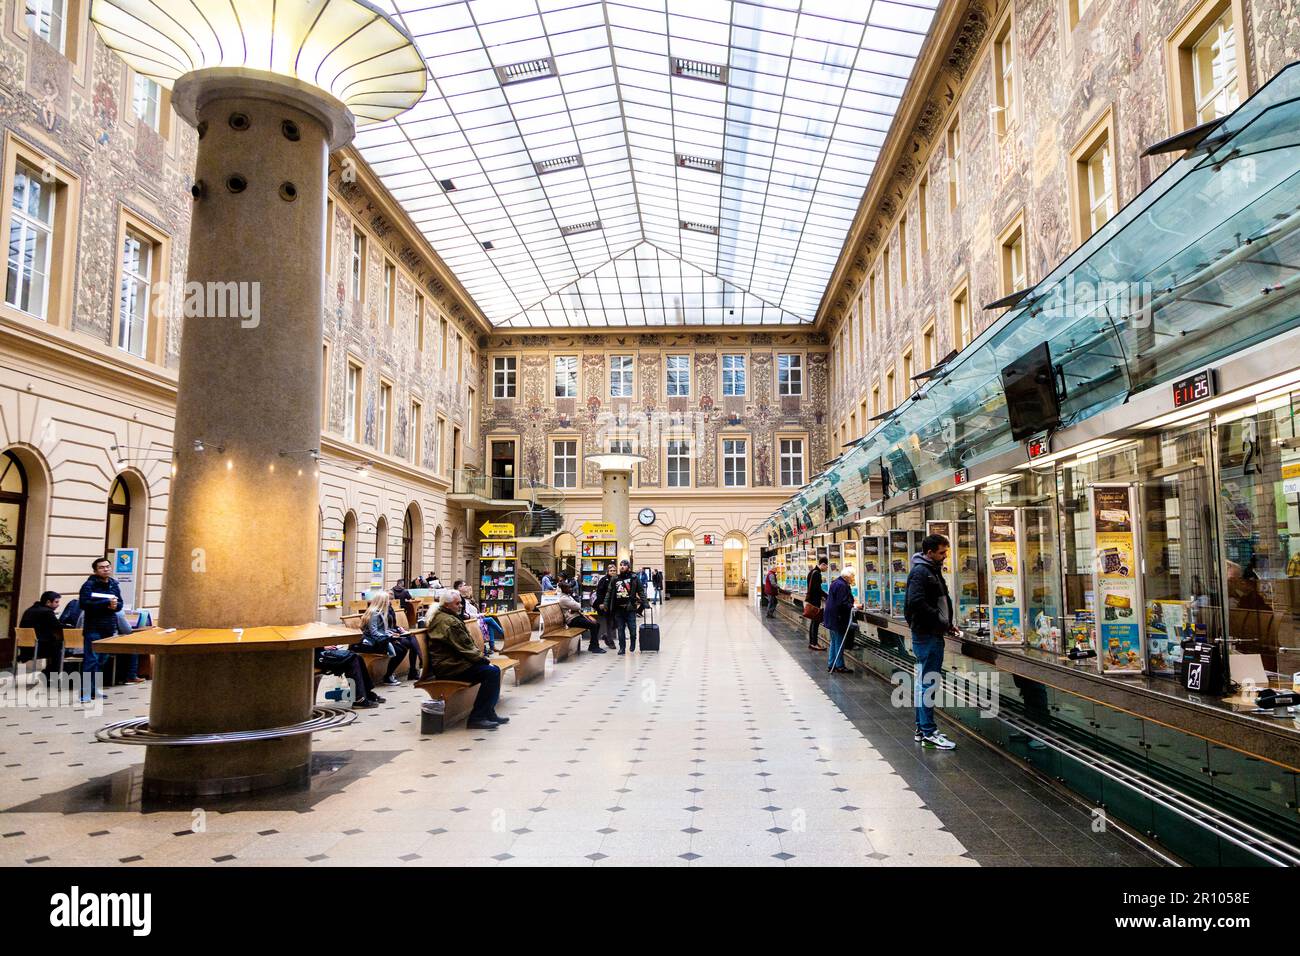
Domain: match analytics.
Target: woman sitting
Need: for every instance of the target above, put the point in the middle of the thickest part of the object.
(574, 617)
(381, 635)
(342, 662)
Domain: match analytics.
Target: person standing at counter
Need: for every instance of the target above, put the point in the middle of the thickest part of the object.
(837, 616)
(100, 599)
(813, 599)
(928, 610)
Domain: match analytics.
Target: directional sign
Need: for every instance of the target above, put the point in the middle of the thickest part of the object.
(498, 529)
(599, 529)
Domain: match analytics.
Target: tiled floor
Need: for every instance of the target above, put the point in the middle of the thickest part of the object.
(725, 748)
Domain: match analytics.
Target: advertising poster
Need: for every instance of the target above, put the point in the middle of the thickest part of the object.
(1169, 623)
(966, 562)
(900, 560)
(950, 563)
(1006, 612)
(124, 570)
(333, 576)
(851, 561)
(872, 573)
(377, 573)
(1119, 625)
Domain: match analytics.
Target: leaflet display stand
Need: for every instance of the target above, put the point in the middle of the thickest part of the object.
(497, 566)
(1116, 582)
(873, 572)
(595, 554)
(902, 545)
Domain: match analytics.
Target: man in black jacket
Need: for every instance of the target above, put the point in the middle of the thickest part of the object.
(101, 599)
(815, 596)
(601, 602)
(43, 618)
(626, 600)
(928, 609)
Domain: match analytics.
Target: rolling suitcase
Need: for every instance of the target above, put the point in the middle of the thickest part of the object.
(648, 633)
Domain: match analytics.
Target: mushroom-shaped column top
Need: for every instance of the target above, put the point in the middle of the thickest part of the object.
(346, 49)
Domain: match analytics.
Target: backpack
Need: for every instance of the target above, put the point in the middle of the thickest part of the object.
(70, 616)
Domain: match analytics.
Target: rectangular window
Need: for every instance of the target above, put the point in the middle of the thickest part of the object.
(460, 359)
(31, 242)
(927, 347)
(621, 446)
(1014, 277)
(455, 450)
(891, 396)
(923, 213)
(735, 462)
(873, 305)
(1077, 9)
(1093, 186)
(503, 376)
(679, 376)
(353, 399)
(358, 264)
(415, 433)
(1004, 83)
(789, 374)
(908, 372)
(47, 19)
(566, 376)
(385, 418)
(442, 343)
(1207, 62)
(733, 375)
(902, 251)
(439, 440)
(387, 308)
(417, 326)
(679, 463)
(566, 463)
(887, 278)
(146, 101)
(620, 376)
(791, 462)
(875, 399)
(325, 386)
(134, 303)
(954, 164)
(961, 330)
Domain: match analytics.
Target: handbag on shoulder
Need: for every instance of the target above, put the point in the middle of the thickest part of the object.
(812, 612)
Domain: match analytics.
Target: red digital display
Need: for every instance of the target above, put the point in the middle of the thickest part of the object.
(1037, 447)
(961, 477)
(1194, 388)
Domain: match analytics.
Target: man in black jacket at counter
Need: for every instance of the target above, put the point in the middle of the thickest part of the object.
(928, 609)
(101, 599)
(815, 597)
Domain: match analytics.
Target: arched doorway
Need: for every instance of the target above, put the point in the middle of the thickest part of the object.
(350, 558)
(117, 531)
(13, 522)
(412, 535)
(438, 567)
(457, 558)
(565, 552)
(679, 563)
(735, 564)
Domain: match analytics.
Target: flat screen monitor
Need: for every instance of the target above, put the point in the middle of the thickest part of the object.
(1029, 383)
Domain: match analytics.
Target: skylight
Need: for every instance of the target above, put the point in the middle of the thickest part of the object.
(758, 120)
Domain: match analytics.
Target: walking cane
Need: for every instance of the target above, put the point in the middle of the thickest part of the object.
(840, 653)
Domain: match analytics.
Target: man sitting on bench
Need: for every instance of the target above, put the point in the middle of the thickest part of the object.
(574, 617)
(453, 655)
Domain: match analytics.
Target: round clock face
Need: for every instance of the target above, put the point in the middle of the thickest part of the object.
(647, 516)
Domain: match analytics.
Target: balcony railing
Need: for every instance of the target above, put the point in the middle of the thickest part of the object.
(542, 513)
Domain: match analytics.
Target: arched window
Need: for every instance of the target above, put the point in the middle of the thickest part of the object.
(408, 547)
(118, 532)
(13, 518)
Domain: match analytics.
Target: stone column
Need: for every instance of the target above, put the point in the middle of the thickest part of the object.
(616, 506)
(242, 523)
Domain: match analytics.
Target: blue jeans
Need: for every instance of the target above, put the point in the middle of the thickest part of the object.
(928, 651)
(835, 655)
(92, 663)
(625, 620)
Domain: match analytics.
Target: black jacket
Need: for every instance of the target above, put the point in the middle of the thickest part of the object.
(928, 608)
(815, 596)
(42, 619)
(100, 615)
(602, 591)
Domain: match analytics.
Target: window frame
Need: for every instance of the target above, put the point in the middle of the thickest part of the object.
(509, 384)
(627, 376)
(669, 373)
(576, 383)
(576, 459)
(781, 456)
(358, 255)
(1100, 134)
(681, 442)
(743, 370)
(724, 438)
(790, 393)
(1184, 111)
(354, 400)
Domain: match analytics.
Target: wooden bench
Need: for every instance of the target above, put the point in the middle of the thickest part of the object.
(529, 602)
(73, 642)
(458, 695)
(568, 640)
(377, 664)
(520, 645)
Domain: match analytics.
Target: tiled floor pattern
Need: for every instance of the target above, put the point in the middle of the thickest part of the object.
(723, 749)
(1003, 815)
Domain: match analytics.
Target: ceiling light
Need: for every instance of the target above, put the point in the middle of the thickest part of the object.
(525, 71)
(578, 228)
(699, 70)
(447, 185)
(699, 227)
(557, 165)
(487, 246)
(700, 163)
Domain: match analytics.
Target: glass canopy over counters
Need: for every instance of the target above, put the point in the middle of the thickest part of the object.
(1203, 263)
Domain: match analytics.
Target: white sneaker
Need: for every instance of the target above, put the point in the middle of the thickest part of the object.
(937, 741)
(917, 735)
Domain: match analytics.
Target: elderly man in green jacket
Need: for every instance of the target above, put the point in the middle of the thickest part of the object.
(454, 655)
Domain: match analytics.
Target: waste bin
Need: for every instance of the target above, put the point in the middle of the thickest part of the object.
(431, 715)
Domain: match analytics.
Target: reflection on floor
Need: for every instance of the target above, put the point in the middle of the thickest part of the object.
(726, 748)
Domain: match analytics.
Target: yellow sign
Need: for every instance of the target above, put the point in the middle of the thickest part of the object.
(498, 529)
(599, 529)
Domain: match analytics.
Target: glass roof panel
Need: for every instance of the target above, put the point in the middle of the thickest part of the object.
(791, 97)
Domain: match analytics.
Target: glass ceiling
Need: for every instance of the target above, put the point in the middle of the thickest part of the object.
(649, 162)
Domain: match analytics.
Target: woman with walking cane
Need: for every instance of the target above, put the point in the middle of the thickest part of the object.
(837, 615)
